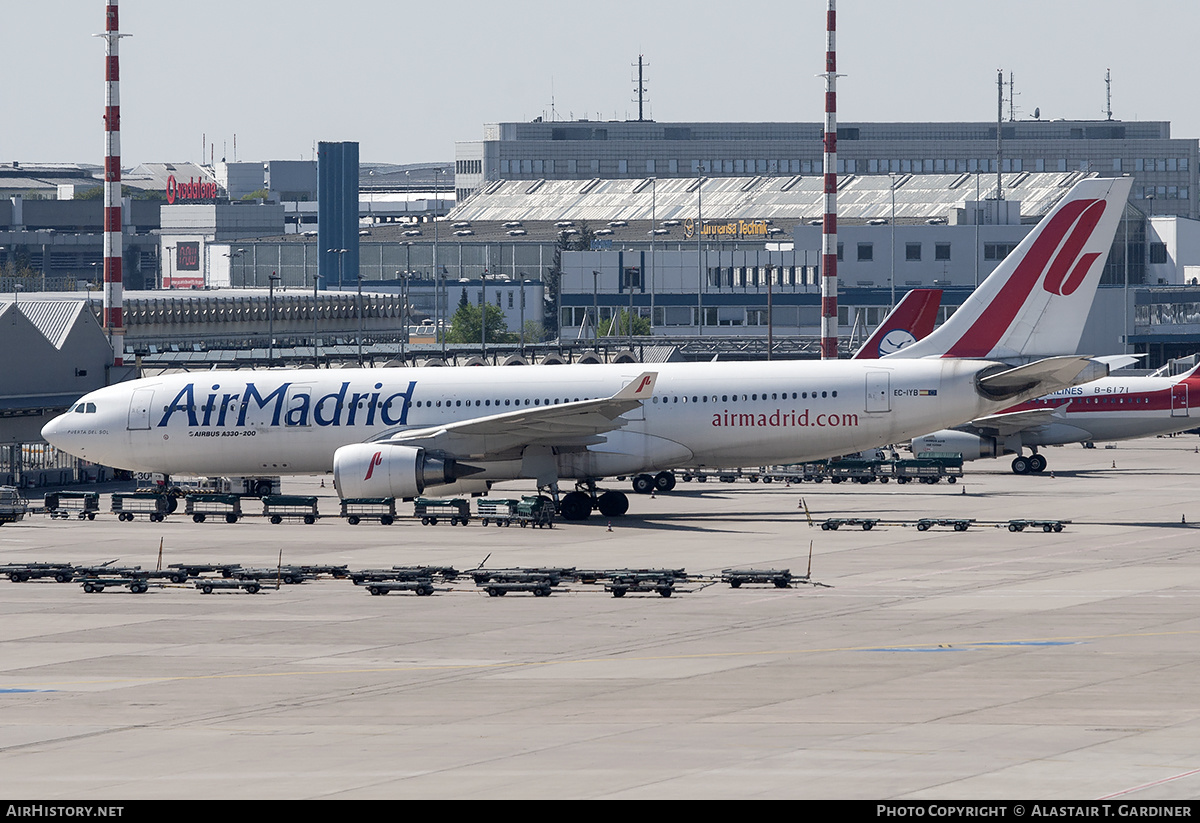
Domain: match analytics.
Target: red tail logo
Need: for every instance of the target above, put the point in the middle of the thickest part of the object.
(1056, 252)
(377, 460)
(1058, 281)
(645, 382)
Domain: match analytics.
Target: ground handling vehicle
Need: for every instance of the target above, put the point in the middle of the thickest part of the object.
(13, 507)
(430, 510)
(201, 505)
(276, 507)
(65, 504)
(127, 504)
(356, 509)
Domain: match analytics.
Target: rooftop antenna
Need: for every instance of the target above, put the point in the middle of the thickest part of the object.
(640, 88)
(1012, 99)
(1108, 94)
(999, 144)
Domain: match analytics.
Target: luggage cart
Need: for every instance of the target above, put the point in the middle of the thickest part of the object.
(277, 507)
(200, 506)
(430, 510)
(865, 523)
(356, 509)
(127, 504)
(496, 510)
(64, 504)
(1046, 525)
(536, 511)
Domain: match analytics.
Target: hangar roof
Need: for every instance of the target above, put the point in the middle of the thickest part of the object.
(919, 197)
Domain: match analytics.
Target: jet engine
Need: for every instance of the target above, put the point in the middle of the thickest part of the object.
(970, 446)
(382, 470)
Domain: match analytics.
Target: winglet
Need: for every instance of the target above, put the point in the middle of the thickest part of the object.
(640, 388)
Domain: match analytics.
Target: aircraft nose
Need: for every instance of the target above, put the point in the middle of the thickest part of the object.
(52, 432)
(57, 434)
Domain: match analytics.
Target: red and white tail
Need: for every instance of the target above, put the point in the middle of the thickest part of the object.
(1036, 301)
(910, 321)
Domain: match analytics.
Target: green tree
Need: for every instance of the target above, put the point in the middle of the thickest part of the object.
(464, 326)
(618, 326)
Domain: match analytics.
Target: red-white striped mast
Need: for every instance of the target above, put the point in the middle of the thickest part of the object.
(114, 319)
(829, 283)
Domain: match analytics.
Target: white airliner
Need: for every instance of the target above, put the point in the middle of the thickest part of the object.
(400, 432)
(1114, 408)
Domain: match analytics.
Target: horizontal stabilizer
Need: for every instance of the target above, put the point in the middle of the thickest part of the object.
(1044, 376)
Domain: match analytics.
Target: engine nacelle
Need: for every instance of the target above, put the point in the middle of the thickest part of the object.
(381, 470)
(970, 446)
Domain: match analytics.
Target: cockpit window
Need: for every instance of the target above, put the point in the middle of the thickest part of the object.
(84, 408)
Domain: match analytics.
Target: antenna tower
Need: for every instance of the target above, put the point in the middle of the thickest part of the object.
(640, 88)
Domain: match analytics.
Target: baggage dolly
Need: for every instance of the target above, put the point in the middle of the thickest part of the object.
(276, 507)
(865, 523)
(64, 504)
(496, 510)
(958, 524)
(356, 509)
(127, 504)
(430, 510)
(200, 506)
(1046, 525)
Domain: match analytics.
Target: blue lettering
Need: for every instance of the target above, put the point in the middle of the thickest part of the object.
(253, 395)
(339, 399)
(184, 401)
(402, 420)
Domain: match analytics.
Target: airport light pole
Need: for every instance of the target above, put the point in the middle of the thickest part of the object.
(358, 310)
(892, 222)
(315, 312)
(437, 272)
(483, 315)
(699, 254)
(596, 308)
(271, 320)
(341, 279)
(523, 282)
(653, 235)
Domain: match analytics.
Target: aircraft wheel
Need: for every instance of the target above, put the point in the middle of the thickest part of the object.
(575, 506)
(643, 484)
(1037, 464)
(1020, 465)
(613, 504)
(664, 481)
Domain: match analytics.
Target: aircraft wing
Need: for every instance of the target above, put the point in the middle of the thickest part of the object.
(564, 425)
(1007, 423)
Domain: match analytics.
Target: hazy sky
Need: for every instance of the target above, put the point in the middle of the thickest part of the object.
(409, 79)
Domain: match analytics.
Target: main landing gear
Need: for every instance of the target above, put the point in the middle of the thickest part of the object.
(664, 481)
(578, 505)
(1034, 464)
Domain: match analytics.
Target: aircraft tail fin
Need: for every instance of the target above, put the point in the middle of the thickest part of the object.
(1036, 301)
(911, 320)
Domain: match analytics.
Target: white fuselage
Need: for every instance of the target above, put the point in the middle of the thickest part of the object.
(291, 422)
(1113, 408)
